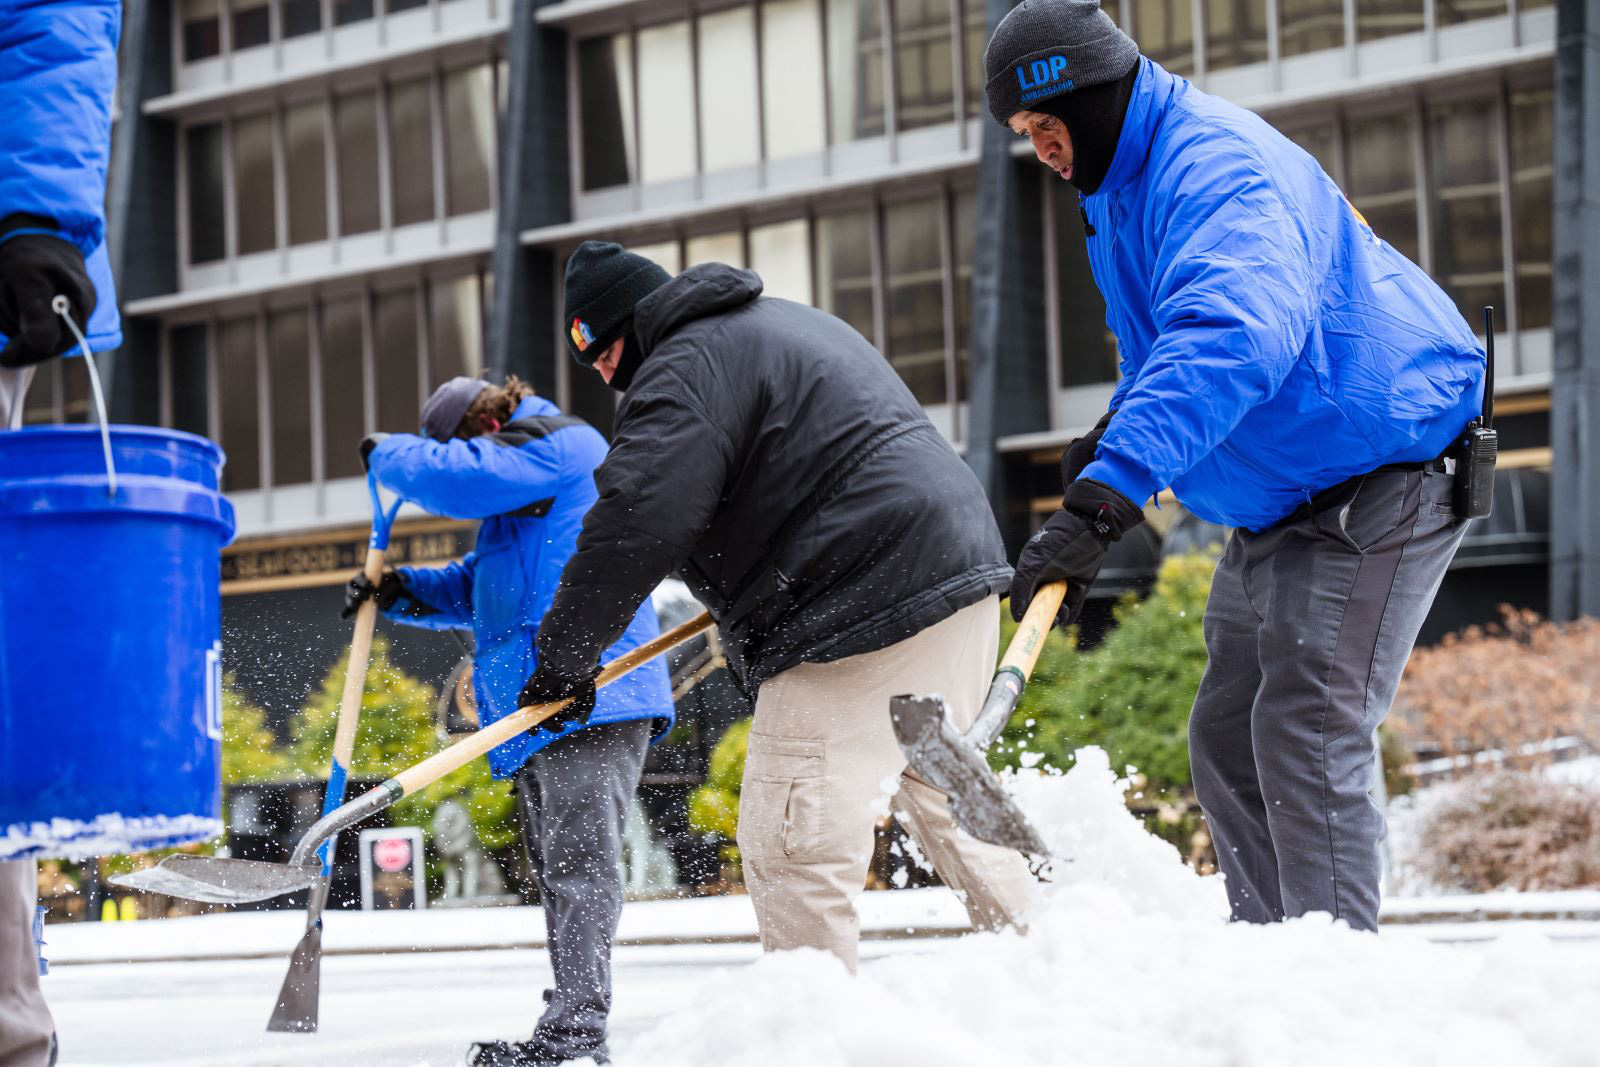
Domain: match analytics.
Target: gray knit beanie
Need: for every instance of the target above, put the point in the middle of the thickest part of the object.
(1046, 47)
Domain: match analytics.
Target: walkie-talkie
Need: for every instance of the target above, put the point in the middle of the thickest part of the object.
(1479, 444)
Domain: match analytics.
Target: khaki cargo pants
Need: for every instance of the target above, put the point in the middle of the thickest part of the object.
(823, 766)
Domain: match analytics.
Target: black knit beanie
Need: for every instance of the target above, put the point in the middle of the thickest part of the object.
(1046, 47)
(603, 285)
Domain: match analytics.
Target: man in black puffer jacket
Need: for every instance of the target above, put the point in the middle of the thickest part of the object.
(769, 455)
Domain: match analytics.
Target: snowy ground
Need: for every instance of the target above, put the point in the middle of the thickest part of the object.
(1128, 962)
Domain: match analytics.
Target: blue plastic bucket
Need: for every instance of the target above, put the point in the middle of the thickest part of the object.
(110, 641)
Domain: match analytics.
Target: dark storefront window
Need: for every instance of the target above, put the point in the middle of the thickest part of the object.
(203, 147)
(469, 136)
(844, 269)
(289, 372)
(1166, 33)
(914, 301)
(1387, 18)
(343, 420)
(202, 29)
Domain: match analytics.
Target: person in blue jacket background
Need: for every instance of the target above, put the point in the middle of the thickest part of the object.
(58, 70)
(1287, 373)
(513, 460)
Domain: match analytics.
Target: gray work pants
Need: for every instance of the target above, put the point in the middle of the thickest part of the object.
(574, 798)
(25, 1023)
(1308, 628)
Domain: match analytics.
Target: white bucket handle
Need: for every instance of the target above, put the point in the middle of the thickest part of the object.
(63, 307)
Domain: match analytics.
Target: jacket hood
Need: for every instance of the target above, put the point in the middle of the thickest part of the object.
(694, 294)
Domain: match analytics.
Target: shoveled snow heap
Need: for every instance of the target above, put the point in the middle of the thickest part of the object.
(1130, 961)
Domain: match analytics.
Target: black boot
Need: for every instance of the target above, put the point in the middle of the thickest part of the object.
(517, 1054)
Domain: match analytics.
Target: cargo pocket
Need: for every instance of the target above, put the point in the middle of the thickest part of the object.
(782, 803)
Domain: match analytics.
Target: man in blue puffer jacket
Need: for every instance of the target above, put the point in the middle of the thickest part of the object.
(1285, 372)
(510, 458)
(58, 69)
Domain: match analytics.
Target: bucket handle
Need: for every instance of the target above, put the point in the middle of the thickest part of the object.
(382, 517)
(63, 307)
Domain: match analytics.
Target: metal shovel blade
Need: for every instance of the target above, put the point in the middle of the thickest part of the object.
(216, 880)
(941, 757)
(298, 1000)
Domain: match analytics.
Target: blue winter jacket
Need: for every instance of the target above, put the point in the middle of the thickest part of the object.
(1271, 345)
(531, 484)
(58, 68)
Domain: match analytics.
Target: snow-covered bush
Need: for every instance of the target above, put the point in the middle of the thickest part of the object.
(1510, 830)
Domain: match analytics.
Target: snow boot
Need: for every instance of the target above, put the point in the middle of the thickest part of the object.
(518, 1054)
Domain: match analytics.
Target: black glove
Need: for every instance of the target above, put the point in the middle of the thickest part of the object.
(1071, 545)
(368, 443)
(390, 587)
(34, 267)
(549, 685)
(1080, 452)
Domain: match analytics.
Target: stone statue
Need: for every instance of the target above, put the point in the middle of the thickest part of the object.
(469, 871)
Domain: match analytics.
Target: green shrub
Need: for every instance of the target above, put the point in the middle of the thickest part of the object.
(714, 806)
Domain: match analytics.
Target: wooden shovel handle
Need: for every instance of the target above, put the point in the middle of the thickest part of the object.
(1023, 652)
(470, 748)
(355, 675)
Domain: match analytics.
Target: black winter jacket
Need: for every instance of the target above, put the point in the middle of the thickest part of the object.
(768, 454)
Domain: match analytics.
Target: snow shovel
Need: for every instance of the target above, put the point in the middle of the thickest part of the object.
(297, 1000)
(954, 763)
(230, 881)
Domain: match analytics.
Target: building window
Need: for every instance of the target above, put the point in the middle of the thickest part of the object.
(1236, 33)
(924, 60)
(664, 253)
(289, 377)
(202, 29)
(241, 419)
(1463, 150)
(255, 189)
(1532, 199)
(727, 89)
(358, 163)
(189, 378)
(252, 23)
(348, 11)
(343, 406)
(1376, 19)
(855, 75)
(469, 138)
(1309, 26)
(301, 17)
(914, 297)
(1319, 142)
(781, 254)
(716, 248)
(666, 122)
(306, 171)
(976, 39)
(1451, 12)
(395, 349)
(203, 153)
(1087, 345)
(964, 227)
(455, 319)
(1166, 33)
(791, 77)
(844, 269)
(394, 6)
(605, 87)
(1382, 177)
(411, 151)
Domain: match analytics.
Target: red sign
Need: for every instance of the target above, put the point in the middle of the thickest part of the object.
(391, 853)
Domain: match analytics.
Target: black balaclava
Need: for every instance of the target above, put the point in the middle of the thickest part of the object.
(1093, 116)
(628, 362)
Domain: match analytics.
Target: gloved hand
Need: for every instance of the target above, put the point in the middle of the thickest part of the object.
(34, 267)
(1071, 545)
(549, 685)
(368, 443)
(390, 587)
(1080, 451)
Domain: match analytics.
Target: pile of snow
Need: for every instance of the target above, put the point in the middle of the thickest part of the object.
(1129, 960)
